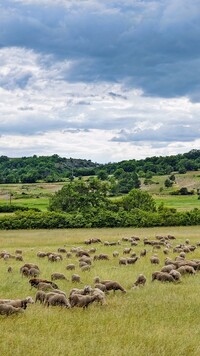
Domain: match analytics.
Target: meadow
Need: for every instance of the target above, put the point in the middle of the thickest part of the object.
(157, 319)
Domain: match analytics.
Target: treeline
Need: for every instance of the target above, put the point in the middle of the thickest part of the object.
(54, 168)
(100, 219)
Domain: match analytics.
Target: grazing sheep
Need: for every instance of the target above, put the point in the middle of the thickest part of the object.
(166, 251)
(182, 254)
(44, 286)
(19, 258)
(86, 259)
(8, 309)
(82, 301)
(34, 272)
(40, 296)
(127, 250)
(35, 281)
(100, 295)
(140, 281)
(70, 267)
(52, 293)
(175, 274)
(76, 278)
(85, 268)
(186, 269)
(122, 261)
(154, 260)
(101, 256)
(18, 303)
(115, 254)
(41, 254)
(162, 277)
(55, 276)
(24, 271)
(112, 285)
(131, 261)
(92, 250)
(9, 269)
(101, 286)
(97, 279)
(168, 268)
(18, 252)
(143, 253)
(58, 300)
(68, 255)
(187, 241)
(62, 250)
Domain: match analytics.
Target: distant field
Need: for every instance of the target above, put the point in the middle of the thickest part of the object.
(37, 195)
(157, 319)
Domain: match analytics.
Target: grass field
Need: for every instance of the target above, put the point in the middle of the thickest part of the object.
(157, 319)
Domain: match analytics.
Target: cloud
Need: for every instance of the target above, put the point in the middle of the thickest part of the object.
(151, 45)
(127, 70)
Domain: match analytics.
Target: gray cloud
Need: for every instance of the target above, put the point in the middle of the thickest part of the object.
(152, 45)
(164, 134)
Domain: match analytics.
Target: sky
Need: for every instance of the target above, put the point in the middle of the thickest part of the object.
(103, 80)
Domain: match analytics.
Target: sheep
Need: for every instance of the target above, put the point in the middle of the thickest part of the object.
(143, 253)
(58, 300)
(33, 272)
(70, 267)
(154, 260)
(82, 301)
(10, 269)
(141, 280)
(97, 279)
(45, 286)
(18, 252)
(62, 250)
(55, 276)
(115, 253)
(52, 293)
(86, 259)
(100, 295)
(68, 255)
(112, 285)
(101, 256)
(40, 296)
(8, 309)
(175, 274)
(19, 258)
(162, 277)
(76, 278)
(127, 250)
(35, 281)
(41, 254)
(122, 261)
(131, 260)
(101, 286)
(168, 268)
(18, 303)
(186, 269)
(85, 268)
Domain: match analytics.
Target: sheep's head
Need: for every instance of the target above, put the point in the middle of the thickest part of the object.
(29, 300)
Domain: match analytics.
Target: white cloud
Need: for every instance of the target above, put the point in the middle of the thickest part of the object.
(102, 80)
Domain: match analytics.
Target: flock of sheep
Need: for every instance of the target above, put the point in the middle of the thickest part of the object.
(47, 290)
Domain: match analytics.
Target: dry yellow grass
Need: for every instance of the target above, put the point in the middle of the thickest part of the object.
(159, 319)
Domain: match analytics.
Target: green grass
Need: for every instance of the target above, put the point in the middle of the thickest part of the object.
(179, 202)
(158, 319)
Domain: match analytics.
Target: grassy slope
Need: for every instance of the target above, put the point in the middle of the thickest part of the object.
(159, 319)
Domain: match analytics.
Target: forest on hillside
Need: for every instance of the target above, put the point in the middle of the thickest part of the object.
(57, 169)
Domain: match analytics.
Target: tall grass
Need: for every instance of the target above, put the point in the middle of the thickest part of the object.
(158, 319)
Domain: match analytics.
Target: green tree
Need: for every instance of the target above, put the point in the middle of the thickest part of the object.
(80, 196)
(140, 200)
